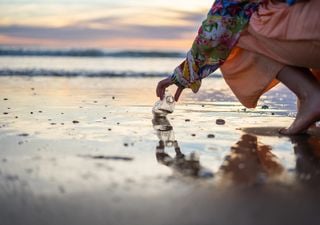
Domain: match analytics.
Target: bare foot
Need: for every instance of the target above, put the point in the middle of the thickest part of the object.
(308, 114)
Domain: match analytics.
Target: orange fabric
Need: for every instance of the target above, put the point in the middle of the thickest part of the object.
(278, 35)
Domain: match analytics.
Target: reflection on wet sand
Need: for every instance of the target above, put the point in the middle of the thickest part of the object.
(186, 165)
(307, 150)
(248, 163)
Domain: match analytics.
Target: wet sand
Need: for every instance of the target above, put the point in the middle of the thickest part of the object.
(89, 151)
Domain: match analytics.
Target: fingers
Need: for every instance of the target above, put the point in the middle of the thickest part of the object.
(161, 88)
(178, 93)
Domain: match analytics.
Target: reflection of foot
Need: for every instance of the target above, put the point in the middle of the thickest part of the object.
(309, 113)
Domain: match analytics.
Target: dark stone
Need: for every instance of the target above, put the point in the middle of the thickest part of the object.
(220, 122)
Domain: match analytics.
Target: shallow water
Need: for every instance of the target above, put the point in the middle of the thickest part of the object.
(91, 147)
(87, 66)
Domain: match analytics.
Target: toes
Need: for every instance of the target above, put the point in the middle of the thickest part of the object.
(284, 131)
(288, 131)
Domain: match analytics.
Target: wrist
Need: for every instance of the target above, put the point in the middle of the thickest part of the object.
(174, 80)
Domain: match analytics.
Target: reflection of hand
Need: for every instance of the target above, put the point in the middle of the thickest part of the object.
(161, 145)
(161, 88)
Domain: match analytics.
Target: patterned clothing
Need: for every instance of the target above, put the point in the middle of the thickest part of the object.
(216, 38)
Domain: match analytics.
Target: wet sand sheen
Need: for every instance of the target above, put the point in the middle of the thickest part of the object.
(92, 148)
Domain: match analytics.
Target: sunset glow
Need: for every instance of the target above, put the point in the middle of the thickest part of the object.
(125, 24)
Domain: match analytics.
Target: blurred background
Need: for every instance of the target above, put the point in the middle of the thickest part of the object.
(97, 38)
(108, 24)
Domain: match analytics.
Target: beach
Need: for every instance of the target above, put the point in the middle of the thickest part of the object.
(84, 140)
(88, 150)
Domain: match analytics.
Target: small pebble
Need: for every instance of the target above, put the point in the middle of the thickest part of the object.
(39, 111)
(31, 112)
(23, 135)
(53, 123)
(265, 107)
(75, 121)
(5, 113)
(104, 117)
(193, 135)
(187, 120)
(5, 99)
(126, 144)
(109, 129)
(211, 136)
(118, 123)
(113, 97)
(220, 122)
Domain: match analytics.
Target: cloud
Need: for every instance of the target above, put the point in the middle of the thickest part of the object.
(87, 33)
(112, 29)
(194, 17)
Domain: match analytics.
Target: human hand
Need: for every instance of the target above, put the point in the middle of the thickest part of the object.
(161, 88)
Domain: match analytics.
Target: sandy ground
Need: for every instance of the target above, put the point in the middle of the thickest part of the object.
(89, 151)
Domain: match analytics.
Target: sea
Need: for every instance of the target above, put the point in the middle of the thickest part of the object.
(19, 61)
(94, 62)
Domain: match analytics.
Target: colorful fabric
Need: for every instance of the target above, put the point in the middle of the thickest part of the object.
(277, 36)
(216, 37)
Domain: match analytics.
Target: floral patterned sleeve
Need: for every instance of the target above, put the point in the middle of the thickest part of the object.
(216, 37)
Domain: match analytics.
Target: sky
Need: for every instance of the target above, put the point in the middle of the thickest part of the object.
(109, 24)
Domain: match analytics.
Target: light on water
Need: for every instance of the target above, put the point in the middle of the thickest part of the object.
(64, 63)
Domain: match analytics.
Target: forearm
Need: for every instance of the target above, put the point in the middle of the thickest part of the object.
(214, 42)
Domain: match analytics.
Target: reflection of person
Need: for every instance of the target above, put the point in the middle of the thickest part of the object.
(258, 43)
(187, 165)
(307, 150)
(250, 163)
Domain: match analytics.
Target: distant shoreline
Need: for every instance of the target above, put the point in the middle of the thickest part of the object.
(87, 52)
